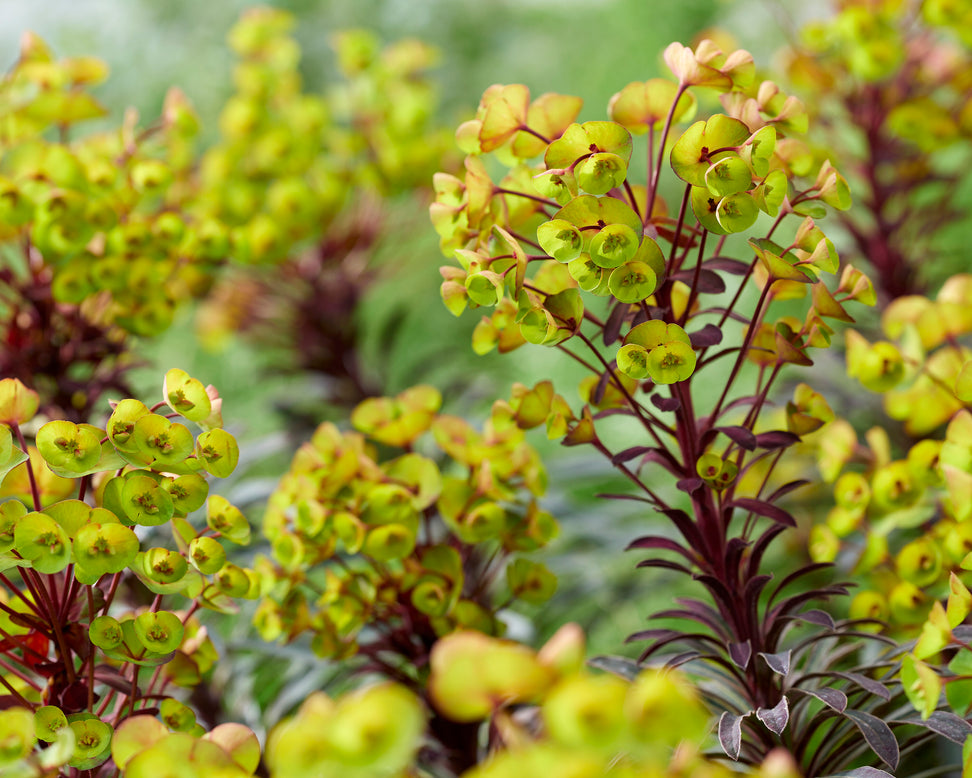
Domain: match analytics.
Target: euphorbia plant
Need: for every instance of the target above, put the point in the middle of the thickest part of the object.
(87, 509)
(379, 556)
(642, 282)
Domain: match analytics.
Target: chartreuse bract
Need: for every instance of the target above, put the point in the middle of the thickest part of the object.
(673, 276)
(91, 673)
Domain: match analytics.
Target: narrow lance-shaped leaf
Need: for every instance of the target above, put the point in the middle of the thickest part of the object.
(877, 734)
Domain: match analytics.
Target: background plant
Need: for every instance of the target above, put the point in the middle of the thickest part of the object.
(888, 86)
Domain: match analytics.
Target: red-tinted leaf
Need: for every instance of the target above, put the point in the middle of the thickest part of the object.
(943, 723)
(628, 454)
(760, 546)
(111, 677)
(741, 436)
(729, 265)
(786, 489)
(763, 508)
(805, 570)
(709, 335)
(776, 439)
(730, 733)
(685, 525)
(612, 327)
(740, 654)
(689, 485)
(868, 684)
(775, 718)
(818, 617)
(665, 403)
(665, 563)
(832, 698)
(877, 734)
(666, 544)
(779, 663)
(709, 282)
(866, 772)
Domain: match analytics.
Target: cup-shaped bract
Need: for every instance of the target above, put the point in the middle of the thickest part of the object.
(43, 542)
(105, 632)
(17, 736)
(92, 740)
(121, 423)
(18, 404)
(530, 581)
(378, 729)
(207, 555)
(186, 395)
(226, 519)
(104, 548)
(144, 500)
(68, 448)
(49, 720)
(473, 675)
(161, 441)
(560, 239)
(587, 711)
(632, 282)
(160, 632)
(218, 451)
(188, 492)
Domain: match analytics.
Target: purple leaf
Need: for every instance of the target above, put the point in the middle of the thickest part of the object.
(709, 282)
(740, 653)
(945, 724)
(866, 772)
(877, 734)
(684, 524)
(598, 394)
(786, 489)
(776, 718)
(818, 617)
(741, 436)
(732, 266)
(689, 485)
(628, 454)
(667, 544)
(779, 663)
(763, 508)
(709, 335)
(730, 734)
(832, 698)
(665, 403)
(868, 684)
(665, 563)
(612, 327)
(776, 439)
